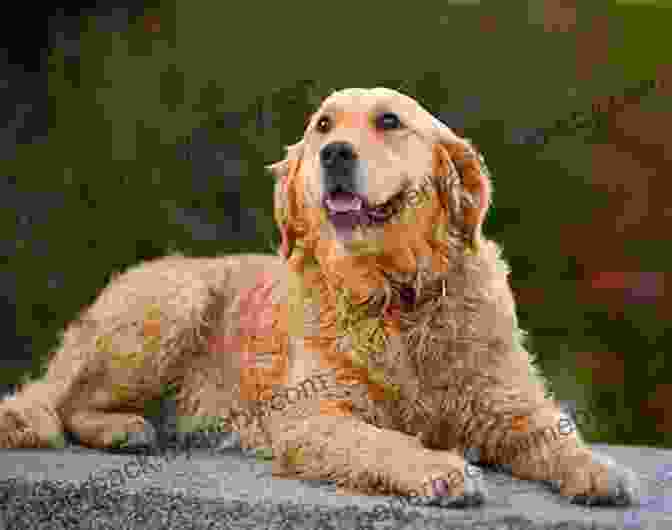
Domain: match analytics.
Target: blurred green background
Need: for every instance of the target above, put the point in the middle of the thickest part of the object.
(160, 127)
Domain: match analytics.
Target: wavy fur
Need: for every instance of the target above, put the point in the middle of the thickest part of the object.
(415, 322)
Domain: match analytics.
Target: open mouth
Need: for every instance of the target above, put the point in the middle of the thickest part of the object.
(347, 210)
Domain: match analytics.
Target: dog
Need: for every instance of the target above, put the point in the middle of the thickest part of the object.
(383, 281)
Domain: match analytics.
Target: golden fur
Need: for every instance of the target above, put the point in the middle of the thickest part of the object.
(413, 318)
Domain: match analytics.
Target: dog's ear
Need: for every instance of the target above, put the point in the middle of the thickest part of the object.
(285, 172)
(466, 191)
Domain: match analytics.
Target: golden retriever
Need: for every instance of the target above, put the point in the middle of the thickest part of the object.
(384, 281)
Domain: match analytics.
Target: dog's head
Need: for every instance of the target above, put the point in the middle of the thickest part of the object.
(373, 169)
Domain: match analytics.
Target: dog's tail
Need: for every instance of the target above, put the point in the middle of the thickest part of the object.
(29, 420)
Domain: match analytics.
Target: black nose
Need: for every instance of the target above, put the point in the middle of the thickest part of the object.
(338, 161)
(338, 156)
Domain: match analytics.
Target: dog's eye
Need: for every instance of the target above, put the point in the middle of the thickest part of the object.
(323, 125)
(388, 121)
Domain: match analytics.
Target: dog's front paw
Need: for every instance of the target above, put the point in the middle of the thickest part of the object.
(25, 424)
(452, 489)
(601, 482)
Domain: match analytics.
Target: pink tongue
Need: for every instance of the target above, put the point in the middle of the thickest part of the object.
(344, 202)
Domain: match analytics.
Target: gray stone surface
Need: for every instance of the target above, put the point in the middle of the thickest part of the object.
(231, 490)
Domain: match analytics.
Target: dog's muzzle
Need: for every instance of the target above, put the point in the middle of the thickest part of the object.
(345, 207)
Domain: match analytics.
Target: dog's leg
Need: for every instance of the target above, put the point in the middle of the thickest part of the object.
(366, 458)
(28, 420)
(31, 418)
(546, 445)
(128, 365)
